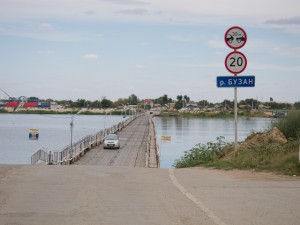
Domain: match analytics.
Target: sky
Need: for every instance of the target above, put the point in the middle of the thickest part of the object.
(90, 49)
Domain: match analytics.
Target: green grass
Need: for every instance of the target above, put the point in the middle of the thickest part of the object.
(202, 154)
(264, 155)
(289, 125)
(282, 159)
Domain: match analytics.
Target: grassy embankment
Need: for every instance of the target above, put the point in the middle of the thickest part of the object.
(267, 151)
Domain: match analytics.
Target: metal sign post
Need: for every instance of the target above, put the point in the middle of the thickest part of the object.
(235, 62)
(235, 120)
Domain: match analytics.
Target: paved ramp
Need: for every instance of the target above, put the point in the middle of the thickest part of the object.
(96, 195)
(132, 153)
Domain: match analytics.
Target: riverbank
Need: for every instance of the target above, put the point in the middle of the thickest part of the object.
(276, 150)
(215, 114)
(164, 113)
(69, 111)
(258, 155)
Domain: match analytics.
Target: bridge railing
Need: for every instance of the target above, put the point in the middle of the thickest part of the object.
(152, 154)
(40, 155)
(71, 153)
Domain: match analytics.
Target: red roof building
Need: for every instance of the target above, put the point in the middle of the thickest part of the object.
(12, 104)
(147, 100)
(30, 104)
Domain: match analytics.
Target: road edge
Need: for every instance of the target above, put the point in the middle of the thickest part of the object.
(196, 201)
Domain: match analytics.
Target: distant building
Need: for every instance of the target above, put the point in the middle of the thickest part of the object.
(13, 104)
(54, 105)
(170, 106)
(148, 102)
(191, 105)
(245, 106)
(263, 107)
(30, 105)
(132, 106)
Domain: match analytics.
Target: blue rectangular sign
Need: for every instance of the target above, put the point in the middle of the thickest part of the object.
(33, 134)
(235, 81)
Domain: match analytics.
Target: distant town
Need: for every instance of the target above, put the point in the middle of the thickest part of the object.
(182, 103)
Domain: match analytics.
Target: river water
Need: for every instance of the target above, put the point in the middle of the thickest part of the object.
(187, 132)
(54, 133)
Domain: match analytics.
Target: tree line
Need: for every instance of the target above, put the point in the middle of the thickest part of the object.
(181, 101)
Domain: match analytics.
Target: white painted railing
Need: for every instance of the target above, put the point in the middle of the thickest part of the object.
(72, 153)
(152, 154)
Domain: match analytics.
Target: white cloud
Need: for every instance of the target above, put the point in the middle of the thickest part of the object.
(217, 44)
(90, 12)
(296, 48)
(46, 26)
(38, 32)
(261, 45)
(127, 2)
(90, 57)
(285, 21)
(135, 12)
(199, 65)
(182, 38)
(190, 10)
(45, 52)
(140, 67)
(94, 24)
(273, 67)
(144, 44)
(271, 47)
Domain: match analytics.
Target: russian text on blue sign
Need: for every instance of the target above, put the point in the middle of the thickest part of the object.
(236, 81)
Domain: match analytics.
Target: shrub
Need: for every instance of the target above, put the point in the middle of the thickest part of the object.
(289, 125)
(202, 154)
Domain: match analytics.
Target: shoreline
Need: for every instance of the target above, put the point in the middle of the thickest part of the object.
(164, 113)
(214, 114)
(66, 111)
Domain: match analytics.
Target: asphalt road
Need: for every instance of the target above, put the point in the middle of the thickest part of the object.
(89, 195)
(132, 153)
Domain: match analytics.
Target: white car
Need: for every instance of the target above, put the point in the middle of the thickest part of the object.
(111, 141)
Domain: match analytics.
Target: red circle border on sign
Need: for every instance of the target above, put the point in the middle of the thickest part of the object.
(235, 73)
(231, 28)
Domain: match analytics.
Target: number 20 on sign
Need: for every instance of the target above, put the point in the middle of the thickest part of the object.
(236, 62)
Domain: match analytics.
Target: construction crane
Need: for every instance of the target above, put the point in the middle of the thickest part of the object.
(6, 93)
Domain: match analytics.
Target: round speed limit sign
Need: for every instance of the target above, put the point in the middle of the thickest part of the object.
(236, 62)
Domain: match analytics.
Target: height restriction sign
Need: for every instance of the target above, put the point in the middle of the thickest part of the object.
(235, 37)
